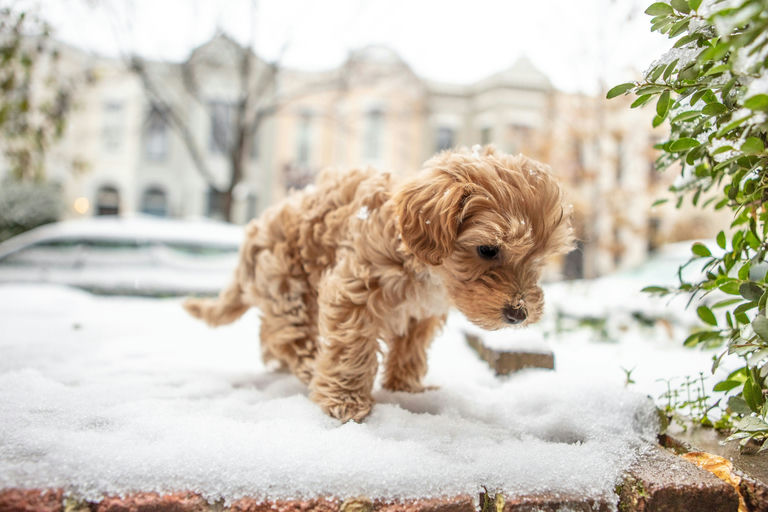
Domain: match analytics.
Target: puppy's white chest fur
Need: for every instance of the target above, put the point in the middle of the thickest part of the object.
(427, 298)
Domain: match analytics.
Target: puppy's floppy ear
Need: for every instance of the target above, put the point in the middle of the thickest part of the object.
(429, 213)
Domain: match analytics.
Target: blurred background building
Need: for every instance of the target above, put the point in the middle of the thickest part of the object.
(224, 134)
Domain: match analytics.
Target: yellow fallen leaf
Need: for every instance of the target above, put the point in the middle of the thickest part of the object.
(720, 467)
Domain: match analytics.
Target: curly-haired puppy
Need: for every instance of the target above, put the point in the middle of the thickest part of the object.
(365, 256)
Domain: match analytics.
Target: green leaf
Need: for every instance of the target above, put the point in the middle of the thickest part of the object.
(752, 146)
(670, 68)
(649, 89)
(706, 315)
(744, 308)
(714, 53)
(685, 40)
(750, 291)
(678, 27)
(731, 288)
(681, 6)
(619, 89)
(641, 100)
(752, 393)
(659, 9)
(725, 303)
(757, 102)
(659, 202)
(714, 70)
(701, 250)
(655, 289)
(722, 149)
(752, 424)
(694, 4)
(662, 105)
(760, 326)
(738, 405)
(683, 144)
(692, 340)
(721, 239)
(733, 124)
(744, 271)
(697, 96)
(714, 109)
(686, 116)
(656, 73)
(657, 120)
(726, 385)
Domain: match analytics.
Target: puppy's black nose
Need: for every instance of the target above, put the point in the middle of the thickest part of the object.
(514, 314)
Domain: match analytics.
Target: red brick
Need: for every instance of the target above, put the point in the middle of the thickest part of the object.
(555, 502)
(31, 500)
(455, 504)
(153, 502)
(257, 505)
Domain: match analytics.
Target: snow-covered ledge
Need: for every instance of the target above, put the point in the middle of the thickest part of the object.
(114, 396)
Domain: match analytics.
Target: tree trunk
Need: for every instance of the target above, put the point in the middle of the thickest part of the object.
(227, 203)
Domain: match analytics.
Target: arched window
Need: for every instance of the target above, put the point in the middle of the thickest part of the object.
(155, 135)
(444, 138)
(154, 202)
(304, 138)
(374, 121)
(107, 201)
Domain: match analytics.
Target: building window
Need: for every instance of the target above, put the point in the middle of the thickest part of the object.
(215, 204)
(445, 138)
(154, 202)
(222, 126)
(252, 206)
(303, 138)
(374, 122)
(654, 229)
(107, 201)
(486, 135)
(618, 247)
(155, 135)
(519, 138)
(112, 128)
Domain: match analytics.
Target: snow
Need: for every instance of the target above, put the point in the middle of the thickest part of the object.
(363, 213)
(110, 395)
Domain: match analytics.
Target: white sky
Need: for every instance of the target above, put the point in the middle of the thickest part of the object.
(575, 42)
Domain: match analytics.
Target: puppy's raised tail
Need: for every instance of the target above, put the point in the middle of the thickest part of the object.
(224, 309)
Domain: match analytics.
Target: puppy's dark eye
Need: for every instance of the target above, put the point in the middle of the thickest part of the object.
(488, 252)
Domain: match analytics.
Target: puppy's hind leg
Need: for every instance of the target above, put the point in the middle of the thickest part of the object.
(407, 359)
(288, 336)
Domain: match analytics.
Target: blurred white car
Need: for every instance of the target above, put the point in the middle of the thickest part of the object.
(126, 256)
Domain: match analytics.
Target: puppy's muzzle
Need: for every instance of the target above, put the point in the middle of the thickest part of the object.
(514, 314)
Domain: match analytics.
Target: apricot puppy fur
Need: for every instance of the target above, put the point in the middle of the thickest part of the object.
(365, 256)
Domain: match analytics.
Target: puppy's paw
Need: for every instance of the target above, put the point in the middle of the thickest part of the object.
(354, 411)
(345, 407)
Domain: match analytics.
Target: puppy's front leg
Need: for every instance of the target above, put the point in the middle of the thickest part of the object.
(407, 359)
(346, 362)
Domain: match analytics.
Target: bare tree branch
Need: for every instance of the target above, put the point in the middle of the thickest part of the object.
(173, 118)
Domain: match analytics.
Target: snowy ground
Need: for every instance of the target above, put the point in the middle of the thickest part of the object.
(112, 395)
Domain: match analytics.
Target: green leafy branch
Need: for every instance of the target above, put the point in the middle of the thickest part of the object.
(712, 90)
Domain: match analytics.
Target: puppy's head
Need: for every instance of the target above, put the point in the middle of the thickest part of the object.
(486, 221)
